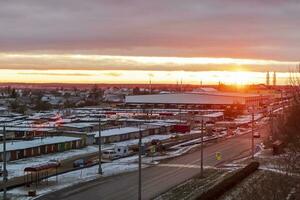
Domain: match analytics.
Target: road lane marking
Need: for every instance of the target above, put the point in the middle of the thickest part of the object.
(180, 166)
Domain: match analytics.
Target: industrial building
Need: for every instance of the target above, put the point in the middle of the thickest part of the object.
(127, 133)
(207, 100)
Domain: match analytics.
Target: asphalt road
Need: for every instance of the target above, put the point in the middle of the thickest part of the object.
(157, 179)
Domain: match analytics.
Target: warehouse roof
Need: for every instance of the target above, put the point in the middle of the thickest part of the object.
(215, 114)
(117, 131)
(79, 125)
(191, 98)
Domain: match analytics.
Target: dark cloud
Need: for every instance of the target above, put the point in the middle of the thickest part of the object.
(267, 29)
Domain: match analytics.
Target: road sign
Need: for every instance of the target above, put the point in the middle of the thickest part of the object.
(153, 149)
(218, 156)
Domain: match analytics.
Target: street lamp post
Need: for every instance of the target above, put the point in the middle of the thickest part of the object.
(4, 164)
(201, 162)
(271, 123)
(140, 164)
(100, 150)
(252, 135)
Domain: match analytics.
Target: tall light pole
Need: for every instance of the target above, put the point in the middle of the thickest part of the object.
(4, 164)
(201, 162)
(140, 164)
(271, 123)
(252, 135)
(180, 115)
(100, 150)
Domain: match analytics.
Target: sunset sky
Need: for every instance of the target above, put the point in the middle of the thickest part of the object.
(133, 41)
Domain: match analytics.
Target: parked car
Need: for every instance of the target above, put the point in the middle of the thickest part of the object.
(108, 154)
(55, 161)
(81, 163)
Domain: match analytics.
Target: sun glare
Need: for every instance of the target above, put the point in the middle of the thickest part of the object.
(242, 78)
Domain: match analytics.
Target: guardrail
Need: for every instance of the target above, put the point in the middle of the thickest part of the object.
(229, 182)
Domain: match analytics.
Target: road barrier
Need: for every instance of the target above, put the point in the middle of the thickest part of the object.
(220, 188)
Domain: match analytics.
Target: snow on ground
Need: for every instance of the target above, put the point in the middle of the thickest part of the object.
(233, 166)
(243, 119)
(280, 171)
(180, 151)
(144, 140)
(72, 178)
(198, 140)
(190, 142)
(116, 167)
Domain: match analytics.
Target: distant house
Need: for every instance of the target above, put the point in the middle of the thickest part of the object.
(117, 98)
(53, 100)
(115, 94)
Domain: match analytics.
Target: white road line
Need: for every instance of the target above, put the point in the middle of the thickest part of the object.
(179, 166)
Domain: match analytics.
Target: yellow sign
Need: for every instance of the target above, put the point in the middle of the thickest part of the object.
(153, 149)
(218, 156)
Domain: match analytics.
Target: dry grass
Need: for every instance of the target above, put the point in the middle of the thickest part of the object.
(265, 185)
(194, 186)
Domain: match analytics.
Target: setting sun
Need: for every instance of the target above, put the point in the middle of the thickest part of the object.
(80, 68)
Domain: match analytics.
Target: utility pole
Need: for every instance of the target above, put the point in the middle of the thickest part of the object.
(201, 162)
(140, 164)
(271, 123)
(181, 86)
(180, 115)
(150, 86)
(100, 150)
(268, 78)
(252, 135)
(4, 164)
(282, 101)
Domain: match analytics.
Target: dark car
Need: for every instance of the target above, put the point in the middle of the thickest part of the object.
(81, 163)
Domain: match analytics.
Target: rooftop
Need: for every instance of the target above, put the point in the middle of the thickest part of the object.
(190, 98)
(16, 145)
(117, 131)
